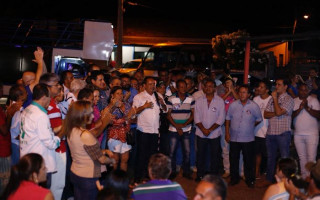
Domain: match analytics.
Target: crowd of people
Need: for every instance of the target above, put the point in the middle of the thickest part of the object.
(71, 135)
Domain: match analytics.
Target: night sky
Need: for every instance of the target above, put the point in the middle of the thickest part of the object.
(257, 17)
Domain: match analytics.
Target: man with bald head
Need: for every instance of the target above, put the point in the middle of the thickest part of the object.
(30, 79)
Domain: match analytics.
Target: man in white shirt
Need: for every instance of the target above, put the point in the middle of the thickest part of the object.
(36, 133)
(306, 113)
(148, 104)
(260, 130)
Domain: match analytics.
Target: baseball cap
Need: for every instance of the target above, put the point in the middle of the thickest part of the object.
(314, 169)
(160, 83)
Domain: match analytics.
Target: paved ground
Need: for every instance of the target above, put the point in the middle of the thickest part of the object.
(240, 191)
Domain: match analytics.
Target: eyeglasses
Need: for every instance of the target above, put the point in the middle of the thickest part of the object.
(57, 85)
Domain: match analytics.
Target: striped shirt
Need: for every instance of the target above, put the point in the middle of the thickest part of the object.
(159, 190)
(280, 124)
(180, 111)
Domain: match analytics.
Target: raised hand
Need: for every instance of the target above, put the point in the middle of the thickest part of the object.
(38, 55)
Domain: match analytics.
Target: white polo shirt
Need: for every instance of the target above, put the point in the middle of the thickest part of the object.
(148, 119)
(37, 135)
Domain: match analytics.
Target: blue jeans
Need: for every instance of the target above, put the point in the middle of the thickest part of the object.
(84, 188)
(15, 154)
(193, 147)
(185, 141)
(273, 143)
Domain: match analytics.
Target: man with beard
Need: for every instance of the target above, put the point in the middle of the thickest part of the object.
(128, 92)
(97, 79)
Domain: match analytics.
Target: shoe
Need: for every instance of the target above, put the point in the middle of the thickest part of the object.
(187, 176)
(226, 175)
(234, 182)
(193, 168)
(250, 184)
(198, 179)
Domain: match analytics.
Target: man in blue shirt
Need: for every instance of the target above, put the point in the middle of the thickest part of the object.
(128, 92)
(209, 116)
(243, 115)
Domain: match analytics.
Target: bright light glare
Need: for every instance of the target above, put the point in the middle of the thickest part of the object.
(306, 16)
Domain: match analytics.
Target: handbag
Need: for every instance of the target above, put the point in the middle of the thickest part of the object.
(130, 137)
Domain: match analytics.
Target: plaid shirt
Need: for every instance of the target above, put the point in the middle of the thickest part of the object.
(280, 124)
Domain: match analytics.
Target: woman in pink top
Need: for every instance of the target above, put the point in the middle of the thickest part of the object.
(24, 179)
(230, 94)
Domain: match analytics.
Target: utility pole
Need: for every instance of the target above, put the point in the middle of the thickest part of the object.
(293, 31)
(119, 34)
(293, 65)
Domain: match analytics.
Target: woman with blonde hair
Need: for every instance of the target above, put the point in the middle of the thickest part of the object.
(87, 157)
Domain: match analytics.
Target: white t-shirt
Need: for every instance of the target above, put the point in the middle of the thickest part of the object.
(148, 119)
(304, 123)
(261, 129)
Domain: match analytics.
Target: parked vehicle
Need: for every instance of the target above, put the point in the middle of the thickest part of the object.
(179, 56)
(77, 66)
(170, 56)
(130, 67)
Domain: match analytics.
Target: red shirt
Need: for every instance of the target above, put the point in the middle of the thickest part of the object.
(29, 191)
(55, 117)
(5, 141)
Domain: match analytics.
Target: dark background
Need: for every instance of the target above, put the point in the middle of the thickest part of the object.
(257, 17)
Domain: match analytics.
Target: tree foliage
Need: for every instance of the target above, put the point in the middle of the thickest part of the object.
(229, 51)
